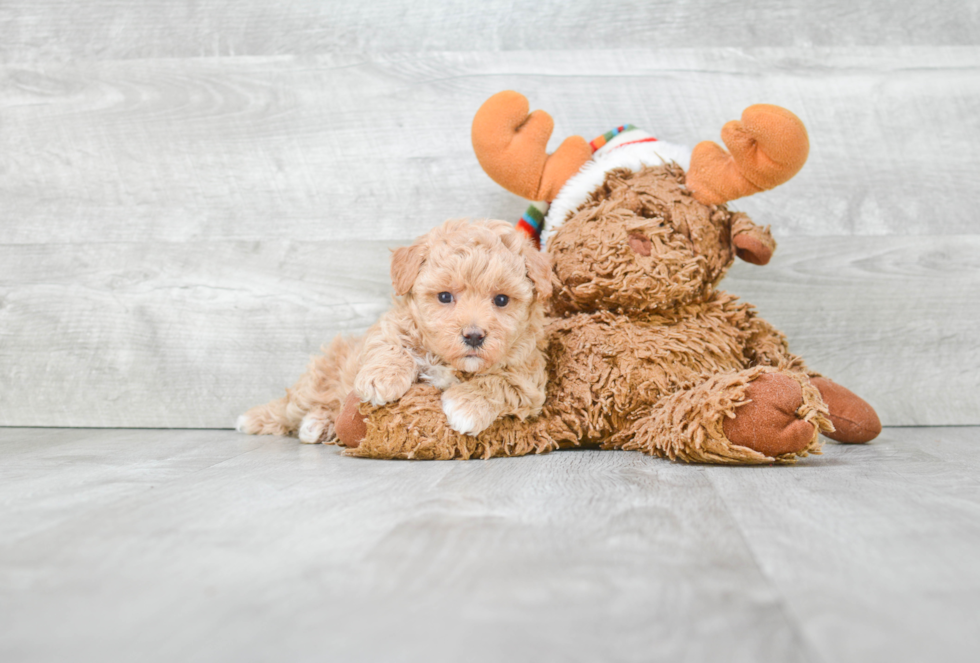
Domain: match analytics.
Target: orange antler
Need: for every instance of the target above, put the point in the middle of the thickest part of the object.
(768, 146)
(510, 145)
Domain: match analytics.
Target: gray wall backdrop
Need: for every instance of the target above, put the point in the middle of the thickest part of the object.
(194, 195)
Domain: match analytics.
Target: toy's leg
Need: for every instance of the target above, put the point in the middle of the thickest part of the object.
(767, 346)
(755, 416)
(854, 420)
(415, 427)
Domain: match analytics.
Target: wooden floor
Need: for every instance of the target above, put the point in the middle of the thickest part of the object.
(195, 545)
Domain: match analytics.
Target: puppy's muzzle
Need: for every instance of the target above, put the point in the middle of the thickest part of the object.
(473, 337)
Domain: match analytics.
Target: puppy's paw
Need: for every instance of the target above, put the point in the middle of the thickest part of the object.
(264, 420)
(467, 413)
(316, 428)
(380, 385)
(244, 424)
(433, 371)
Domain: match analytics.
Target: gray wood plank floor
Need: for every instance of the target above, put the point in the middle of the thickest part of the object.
(196, 545)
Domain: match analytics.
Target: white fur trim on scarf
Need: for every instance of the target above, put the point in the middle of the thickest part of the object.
(591, 176)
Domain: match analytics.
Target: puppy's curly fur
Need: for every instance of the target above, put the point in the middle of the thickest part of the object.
(468, 318)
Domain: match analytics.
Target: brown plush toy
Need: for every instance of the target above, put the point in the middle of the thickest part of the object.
(644, 352)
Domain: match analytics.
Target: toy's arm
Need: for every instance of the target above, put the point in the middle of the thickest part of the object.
(753, 243)
(415, 428)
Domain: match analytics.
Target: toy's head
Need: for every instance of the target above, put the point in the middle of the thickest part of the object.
(635, 223)
(640, 242)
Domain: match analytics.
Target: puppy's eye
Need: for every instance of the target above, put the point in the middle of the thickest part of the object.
(446, 297)
(501, 300)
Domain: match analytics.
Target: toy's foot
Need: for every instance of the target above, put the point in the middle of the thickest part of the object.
(768, 423)
(350, 427)
(855, 421)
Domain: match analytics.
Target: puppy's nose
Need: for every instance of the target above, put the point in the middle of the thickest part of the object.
(473, 337)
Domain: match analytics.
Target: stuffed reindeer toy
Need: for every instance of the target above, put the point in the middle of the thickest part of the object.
(644, 352)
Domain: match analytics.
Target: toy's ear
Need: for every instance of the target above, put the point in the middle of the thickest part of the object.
(768, 146)
(751, 248)
(406, 261)
(753, 243)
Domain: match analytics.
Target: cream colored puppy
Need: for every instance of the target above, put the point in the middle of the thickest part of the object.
(468, 318)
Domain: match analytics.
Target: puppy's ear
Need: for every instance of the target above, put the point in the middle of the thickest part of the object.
(538, 269)
(406, 261)
(537, 263)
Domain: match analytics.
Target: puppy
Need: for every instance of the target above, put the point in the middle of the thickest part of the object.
(468, 318)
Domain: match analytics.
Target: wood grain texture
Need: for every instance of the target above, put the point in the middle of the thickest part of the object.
(355, 147)
(892, 318)
(159, 334)
(116, 29)
(209, 545)
(878, 536)
(195, 195)
(172, 335)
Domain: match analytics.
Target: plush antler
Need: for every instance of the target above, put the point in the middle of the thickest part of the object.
(768, 146)
(510, 145)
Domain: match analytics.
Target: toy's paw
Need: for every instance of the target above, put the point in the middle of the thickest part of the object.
(768, 423)
(350, 426)
(855, 421)
(315, 428)
(378, 385)
(467, 413)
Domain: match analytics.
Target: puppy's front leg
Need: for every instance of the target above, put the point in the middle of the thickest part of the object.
(471, 406)
(386, 374)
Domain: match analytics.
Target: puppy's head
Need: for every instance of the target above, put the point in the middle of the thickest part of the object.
(475, 291)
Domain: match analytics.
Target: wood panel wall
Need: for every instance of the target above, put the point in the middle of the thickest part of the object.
(194, 196)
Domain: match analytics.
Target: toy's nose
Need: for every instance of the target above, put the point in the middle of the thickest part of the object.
(473, 337)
